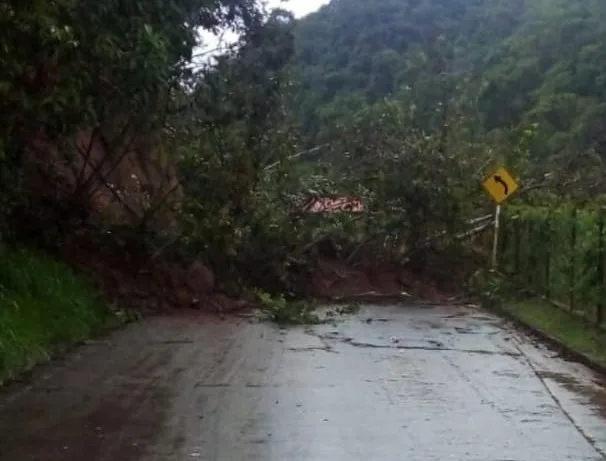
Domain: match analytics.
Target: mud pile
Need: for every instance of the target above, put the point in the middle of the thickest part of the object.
(135, 281)
(335, 279)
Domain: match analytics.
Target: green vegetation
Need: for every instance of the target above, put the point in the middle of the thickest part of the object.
(552, 262)
(570, 328)
(522, 62)
(558, 252)
(451, 89)
(43, 306)
(283, 311)
(119, 129)
(560, 325)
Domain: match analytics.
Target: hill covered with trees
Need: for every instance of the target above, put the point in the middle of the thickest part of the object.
(515, 62)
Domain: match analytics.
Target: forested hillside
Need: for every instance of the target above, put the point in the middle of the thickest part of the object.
(516, 62)
(171, 179)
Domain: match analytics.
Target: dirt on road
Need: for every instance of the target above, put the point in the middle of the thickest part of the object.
(415, 383)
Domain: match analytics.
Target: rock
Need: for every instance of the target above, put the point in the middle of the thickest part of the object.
(405, 280)
(182, 298)
(228, 304)
(176, 277)
(199, 278)
(160, 276)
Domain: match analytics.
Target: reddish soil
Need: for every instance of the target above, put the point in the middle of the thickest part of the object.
(336, 280)
(135, 282)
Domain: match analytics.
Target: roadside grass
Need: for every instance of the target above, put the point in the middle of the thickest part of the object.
(44, 307)
(566, 328)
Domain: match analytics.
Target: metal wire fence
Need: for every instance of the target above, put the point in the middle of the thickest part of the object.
(558, 253)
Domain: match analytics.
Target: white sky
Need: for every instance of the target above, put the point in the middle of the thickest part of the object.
(299, 8)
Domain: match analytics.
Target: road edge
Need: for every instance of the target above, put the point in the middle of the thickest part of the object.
(60, 353)
(561, 347)
(374, 298)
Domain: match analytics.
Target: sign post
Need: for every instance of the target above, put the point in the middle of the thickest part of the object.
(500, 185)
(495, 240)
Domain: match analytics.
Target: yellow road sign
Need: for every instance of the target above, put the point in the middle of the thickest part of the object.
(500, 185)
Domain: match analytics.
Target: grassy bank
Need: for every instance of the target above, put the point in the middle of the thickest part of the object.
(43, 308)
(562, 326)
(558, 252)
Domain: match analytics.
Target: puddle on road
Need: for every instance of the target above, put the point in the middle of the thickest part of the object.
(466, 330)
(507, 374)
(456, 315)
(370, 320)
(596, 393)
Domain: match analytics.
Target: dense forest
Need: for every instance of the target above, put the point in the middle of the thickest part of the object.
(517, 62)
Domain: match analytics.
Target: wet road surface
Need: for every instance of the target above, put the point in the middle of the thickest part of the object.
(389, 383)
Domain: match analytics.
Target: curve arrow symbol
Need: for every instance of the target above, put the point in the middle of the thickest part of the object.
(499, 180)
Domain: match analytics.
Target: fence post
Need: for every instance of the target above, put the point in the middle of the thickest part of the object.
(495, 237)
(504, 243)
(516, 231)
(547, 243)
(573, 245)
(531, 257)
(600, 269)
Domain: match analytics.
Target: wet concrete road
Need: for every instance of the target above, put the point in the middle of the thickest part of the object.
(390, 383)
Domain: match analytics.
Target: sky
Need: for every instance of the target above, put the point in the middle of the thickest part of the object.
(299, 8)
